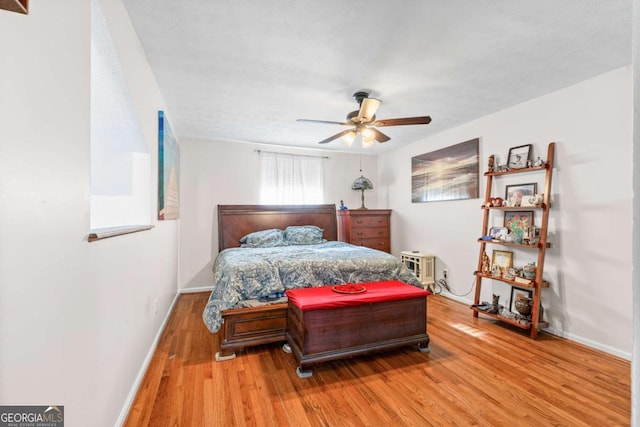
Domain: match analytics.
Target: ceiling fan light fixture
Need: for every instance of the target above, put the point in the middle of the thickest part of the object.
(366, 143)
(348, 138)
(368, 138)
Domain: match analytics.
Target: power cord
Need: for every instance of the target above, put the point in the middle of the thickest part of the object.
(441, 284)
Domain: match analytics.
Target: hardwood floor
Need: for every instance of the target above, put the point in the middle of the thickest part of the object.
(479, 373)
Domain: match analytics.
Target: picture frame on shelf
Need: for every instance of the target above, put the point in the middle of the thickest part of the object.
(519, 156)
(516, 294)
(536, 232)
(518, 221)
(498, 233)
(518, 195)
(502, 259)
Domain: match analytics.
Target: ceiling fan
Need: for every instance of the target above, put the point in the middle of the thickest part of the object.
(363, 121)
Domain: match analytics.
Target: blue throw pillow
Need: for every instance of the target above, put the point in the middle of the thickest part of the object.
(263, 239)
(303, 235)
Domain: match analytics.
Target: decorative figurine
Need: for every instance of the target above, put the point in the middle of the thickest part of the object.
(535, 200)
(486, 265)
(539, 162)
(496, 271)
(495, 306)
(491, 161)
(342, 206)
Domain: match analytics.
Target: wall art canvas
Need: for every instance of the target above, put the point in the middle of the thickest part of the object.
(447, 174)
(168, 171)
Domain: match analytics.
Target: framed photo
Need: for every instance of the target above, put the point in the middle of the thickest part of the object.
(536, 232)
(518, 221)
(168, 171)
(498, 233)
(516, 294)
(519, 194)
(518, 156)
(502, 259)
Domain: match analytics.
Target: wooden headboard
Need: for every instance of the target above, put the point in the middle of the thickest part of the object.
(236, 221)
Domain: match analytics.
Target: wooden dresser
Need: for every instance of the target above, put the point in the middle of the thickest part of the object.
(366, 227)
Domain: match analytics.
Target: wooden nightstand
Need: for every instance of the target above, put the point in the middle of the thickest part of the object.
(366, 227)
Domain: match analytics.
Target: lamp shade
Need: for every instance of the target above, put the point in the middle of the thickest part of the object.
(362, 183)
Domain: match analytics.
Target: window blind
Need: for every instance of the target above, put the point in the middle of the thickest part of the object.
(290, 179)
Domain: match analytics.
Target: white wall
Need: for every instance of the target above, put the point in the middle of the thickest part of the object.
(76, 318)
(589, 265)
(216, 172)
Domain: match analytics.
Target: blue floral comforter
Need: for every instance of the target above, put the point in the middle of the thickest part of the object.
(256, 273)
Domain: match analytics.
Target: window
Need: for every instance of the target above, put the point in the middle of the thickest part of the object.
(290, 179)
(120, 158)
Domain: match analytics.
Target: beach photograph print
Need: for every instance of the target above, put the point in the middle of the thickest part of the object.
(447, 174)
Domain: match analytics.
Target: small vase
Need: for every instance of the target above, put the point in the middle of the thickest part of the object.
(519, 235)
(523, 306)
(529, 271)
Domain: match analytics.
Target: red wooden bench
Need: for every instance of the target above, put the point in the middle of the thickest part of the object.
(323, 324)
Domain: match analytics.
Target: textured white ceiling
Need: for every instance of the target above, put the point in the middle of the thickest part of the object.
(239, 70)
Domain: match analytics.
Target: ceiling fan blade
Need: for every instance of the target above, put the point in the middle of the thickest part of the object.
(422, 120)
(379, 136)
(368, 109)
(325, 122)
(336, 136)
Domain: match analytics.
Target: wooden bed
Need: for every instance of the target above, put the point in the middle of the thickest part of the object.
(246, 327)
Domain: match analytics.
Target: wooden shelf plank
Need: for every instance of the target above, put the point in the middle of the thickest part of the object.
(105, 233)
(530, 285)
(513, 208)
(19, 6)
(504, 319)
(521, 170)
(522, 245)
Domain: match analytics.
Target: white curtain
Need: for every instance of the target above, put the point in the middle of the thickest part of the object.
(290, 179)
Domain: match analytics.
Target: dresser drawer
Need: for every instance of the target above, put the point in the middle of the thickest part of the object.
(365, 233)
(370, 228)
(370, 221)
(381, 244)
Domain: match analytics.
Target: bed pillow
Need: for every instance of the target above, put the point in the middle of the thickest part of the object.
(263, 239)
(303, 235)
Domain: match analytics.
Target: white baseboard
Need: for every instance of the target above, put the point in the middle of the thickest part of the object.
(194, 290)
(553, 331)
(145, 365)
(456, 298)
(589, 343)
